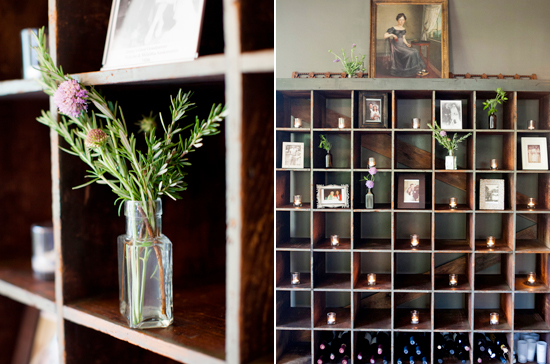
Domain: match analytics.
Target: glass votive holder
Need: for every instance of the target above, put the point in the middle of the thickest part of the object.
(372, 162)
(334, 240)
(531, 203)
(453, 280)
(415, 317)
(43, 252)
(331, 318)
(297, 122)
(297, 200)
(341, 123)
(414, 241)
(531, 278)
(490, 242)
(531, 125)
(416, 123)
(493, 318)
(452, 203)
(371, 279)
(494, 164)
(295, 278)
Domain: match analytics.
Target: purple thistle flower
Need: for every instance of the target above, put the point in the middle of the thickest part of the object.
(442, 133)
(353, 45)
(369, 184)
(71, 98)
(373, 170)
(336, 60)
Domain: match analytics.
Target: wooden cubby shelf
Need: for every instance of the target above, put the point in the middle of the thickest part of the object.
(378, 240)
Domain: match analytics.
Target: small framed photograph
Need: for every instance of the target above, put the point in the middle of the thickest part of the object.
(411, 191)
(491, 194)
(373, 110)
(293, 155)
(332, 196)
(534, 153)
(451, 114)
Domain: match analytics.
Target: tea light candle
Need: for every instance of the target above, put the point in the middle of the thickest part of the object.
(453, 280)
(297, 200)
(331, 318)
(416, 123)
(414, 241)
(295, 278)
(452, 203)
(494, 318)
(341, 122)
(531, 278)
(414, 317)
(297, 122)
(531, 125)
(494, 164)
(531, 203)
(490, 242)
(334, 240)
(371, 279)
(372, 162)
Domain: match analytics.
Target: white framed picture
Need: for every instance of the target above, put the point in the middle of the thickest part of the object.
(147, 32)
(491, 194)
(534, 153)
(332, 196)
(293, 155)
(451, 114)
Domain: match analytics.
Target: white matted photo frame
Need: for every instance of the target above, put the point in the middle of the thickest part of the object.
(491, 194)
(146, 32)
(293, 155)
(332, 196)
(451, 114)
(534, 153)
(373, 110)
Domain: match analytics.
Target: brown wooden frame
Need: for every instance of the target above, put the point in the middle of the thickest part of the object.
(421, 200)
(383, 123)
(444, 36)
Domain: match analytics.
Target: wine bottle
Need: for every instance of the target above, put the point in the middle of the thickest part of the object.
(439, 345)
(480, 341)
(411, 359)
(363, 345)
(449, 344)
(384, 342)
(424, 360)
(326, 339)
(439, 355)
(463, 356)
(320, 360)
(463, 342)
(412, 340)
(345, 360)
(399, 361)
(344, 337)
(385, 359)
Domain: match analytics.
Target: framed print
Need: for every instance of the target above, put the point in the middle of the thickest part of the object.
(534, 153)
(373, 110)
(451, 114)
(332, 196)
(145, 32)
(409, 39)
(491, 194)
(293, 155)
(411, 191)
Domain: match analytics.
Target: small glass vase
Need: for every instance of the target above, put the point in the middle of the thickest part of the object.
(450, 161)
(328, 160)
(492, 121)
(145, 268)
(369, 200)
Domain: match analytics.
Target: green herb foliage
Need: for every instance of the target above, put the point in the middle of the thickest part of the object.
(492, 103)
(325, 144)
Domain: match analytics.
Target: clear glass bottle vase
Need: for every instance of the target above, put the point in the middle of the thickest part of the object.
(145, 268)
(369, 200)
(450, 161)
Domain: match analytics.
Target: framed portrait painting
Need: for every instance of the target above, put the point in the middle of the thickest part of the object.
(411, 191)
(534, 153)
(293, 155)
(373, 110)
(409, 39)
(451, 114)
(332, 196)
(491, 194)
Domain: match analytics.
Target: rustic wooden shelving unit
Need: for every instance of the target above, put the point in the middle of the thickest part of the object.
(222, 231)
(451, 241)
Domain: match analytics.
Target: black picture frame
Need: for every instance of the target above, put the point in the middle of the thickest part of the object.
(418, 203)
(377, 99)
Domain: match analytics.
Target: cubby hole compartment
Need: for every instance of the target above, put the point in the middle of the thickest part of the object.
(293, 309)
(505, 337)
(361, 347)
(402, 339)
(382, 191)
(413, 223)
(293, 230)
(466, 99)
(413, 271)
(495, 145)
(454, 232)
(451, 311)
(498, 225)
(332, 222)
(413, 104)
(289, 184)
(532, 312)
(533, 185)
(293, 137)
(332, 270)
(413, 150)
(536, 263)
(533, 106)
(378, 263)
(293, 346)
(505, 111)
(293, 261)
(532, 233)
(519, 151)
(404, 303)
(443, 354)
(509, 187)
(361, 113)
(329, 106)
(494, 272)
(372, 144)
(407, 196)
(486, 303)
(333, 341)
(340, 149)
(453, 263)
(372, 231)
(464, 154)
(372, 310)
(291, 105)
(332, 301)
(524, 335)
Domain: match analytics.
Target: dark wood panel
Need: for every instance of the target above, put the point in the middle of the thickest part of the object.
(8, 331)
(20, 274)
(451, 320)
(373, 319)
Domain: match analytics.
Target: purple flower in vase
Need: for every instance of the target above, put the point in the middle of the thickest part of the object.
(71, 98)
(369, 184)
(336, 61)
(442, 133)
(353, 45)
(373, 170)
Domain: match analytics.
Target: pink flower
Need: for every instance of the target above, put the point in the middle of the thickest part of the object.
(96, 138)
(71, 98)
(353, 45)
(442, 133)
(369, 184)
(373, 170)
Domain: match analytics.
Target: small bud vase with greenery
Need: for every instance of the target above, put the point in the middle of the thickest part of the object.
(492, 104)
(351, 65)
(450, 144)
(325, 144)
(369, 182)
(138, 179)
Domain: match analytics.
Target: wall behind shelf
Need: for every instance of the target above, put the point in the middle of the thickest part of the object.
(478, 40)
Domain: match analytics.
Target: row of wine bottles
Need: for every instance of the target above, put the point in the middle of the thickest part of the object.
(334, 348)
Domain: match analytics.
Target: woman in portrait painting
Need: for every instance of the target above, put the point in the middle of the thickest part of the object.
(405, 60)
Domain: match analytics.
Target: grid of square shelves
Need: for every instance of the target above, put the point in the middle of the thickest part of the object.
(452, 241)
